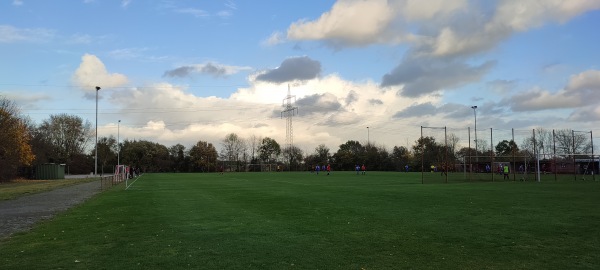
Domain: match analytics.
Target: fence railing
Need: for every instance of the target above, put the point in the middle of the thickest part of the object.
(107, 182)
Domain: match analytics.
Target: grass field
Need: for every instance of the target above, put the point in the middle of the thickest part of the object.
(303, 221)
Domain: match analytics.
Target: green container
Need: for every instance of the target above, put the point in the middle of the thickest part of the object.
(50, 171)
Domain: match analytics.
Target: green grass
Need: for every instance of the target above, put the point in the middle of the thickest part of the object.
(18, 188)
(303, 221)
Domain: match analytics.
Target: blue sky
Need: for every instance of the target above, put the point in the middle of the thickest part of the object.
(183, 71)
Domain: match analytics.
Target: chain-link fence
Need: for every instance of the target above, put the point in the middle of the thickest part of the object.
(459, 155)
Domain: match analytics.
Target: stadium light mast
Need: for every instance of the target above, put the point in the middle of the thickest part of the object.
(96, 146)
(475, 113)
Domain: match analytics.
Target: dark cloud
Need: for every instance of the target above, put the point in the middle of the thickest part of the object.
(455, 111)
(375, 101)
(297, 68)
(319, 103)
(213, 70)
(338, 119)
(208, 69)
(351, 97)
(417, 110)
(449, 110)
(423, 76)
(585, 114)
(179, 72)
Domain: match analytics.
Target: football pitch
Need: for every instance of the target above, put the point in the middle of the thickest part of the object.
(381, 220)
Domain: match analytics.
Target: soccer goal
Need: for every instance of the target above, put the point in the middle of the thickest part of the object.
(262, 167)
(434, 153)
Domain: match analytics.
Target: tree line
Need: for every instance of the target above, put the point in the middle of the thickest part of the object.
(68, 139)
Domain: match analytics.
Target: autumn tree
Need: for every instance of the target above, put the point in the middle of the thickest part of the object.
(146, 155)
(269, 150)
(203, 157)
(178, 158)
(348, 155)
(401, 157)
(429, 151)
(107, 153)
(15, 150)
(506, 148)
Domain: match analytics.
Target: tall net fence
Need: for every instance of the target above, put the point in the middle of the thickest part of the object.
(433, 151)
(489, 155)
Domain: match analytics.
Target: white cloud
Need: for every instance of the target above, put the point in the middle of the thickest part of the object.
(588, 114)
(224, 14)
(438, 27)
(11, 34)
(443, 36)
(171, 114)
(273, 39)
(581, 91)
(509, 17)
(80, 39)
(27, 99)
(588, 81)
(349, 23)
(125, 3)
(17, 2)
(127, 53)
(417, 10)
(92, 72)
(193, 11)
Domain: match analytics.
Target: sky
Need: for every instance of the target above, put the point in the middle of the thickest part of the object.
(371, 71)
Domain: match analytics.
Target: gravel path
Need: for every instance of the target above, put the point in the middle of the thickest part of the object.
(22, 213)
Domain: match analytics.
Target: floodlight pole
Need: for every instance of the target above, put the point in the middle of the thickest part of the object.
(368, 139)
(118, 146)
(593, 158)
(476, 153)
(96, 146)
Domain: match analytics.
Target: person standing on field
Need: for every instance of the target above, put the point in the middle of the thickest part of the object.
(328, 169)
(357, 168)
(506, 172)
(364, 169)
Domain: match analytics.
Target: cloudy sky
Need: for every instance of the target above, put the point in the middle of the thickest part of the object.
(183, 71)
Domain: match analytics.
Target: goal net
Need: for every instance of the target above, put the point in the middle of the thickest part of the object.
(433, 152)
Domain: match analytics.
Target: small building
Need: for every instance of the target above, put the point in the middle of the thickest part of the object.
(49, 171)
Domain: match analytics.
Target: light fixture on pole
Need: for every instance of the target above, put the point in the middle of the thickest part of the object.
(118, 146)
(475, 113)
(96, 146)
(368, 139)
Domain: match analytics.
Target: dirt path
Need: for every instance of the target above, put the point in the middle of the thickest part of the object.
(22, 213)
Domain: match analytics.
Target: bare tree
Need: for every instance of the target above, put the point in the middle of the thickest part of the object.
(254, 143)
(543, 141)
(569, 142)
(68, 134)
(233, 147)
(452, 143)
